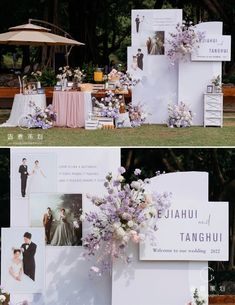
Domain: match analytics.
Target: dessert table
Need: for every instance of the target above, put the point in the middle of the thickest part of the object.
(72, 108)
(21, 107)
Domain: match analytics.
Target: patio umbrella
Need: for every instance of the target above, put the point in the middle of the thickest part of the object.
(30, 34)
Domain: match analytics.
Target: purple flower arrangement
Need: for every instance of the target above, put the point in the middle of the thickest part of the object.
(137, 115)
(109, 105)
(126, 214)
(180, 115)
(42, 118)
(184, 41)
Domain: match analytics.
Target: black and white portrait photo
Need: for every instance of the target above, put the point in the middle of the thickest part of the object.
(23, 259)
(60, 215)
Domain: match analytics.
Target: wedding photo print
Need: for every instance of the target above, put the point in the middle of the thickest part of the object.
(33, 173)
(155, 43)
(60, 215)
(137, 60)
(23, 260)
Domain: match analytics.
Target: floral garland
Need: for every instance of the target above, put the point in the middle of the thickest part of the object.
(120, 218)
(42, 118)
(184, 41)
(180, 116)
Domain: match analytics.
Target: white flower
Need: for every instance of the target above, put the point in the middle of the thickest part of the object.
(82, 217)
(116, 225)
(126, 238)
(152, 211)
(120, 232)
(130, 223)
(135, 185)
(2, 298)
(120, 178)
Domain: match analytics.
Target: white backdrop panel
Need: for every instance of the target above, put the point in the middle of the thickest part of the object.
(77, 170)
(165, 283)
(159, 84)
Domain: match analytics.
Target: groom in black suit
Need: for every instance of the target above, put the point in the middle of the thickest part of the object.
(137, 22)
(140, 57)
(29, 249)
(23, 170)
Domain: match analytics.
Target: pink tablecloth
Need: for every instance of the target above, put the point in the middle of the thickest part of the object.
(70, 108)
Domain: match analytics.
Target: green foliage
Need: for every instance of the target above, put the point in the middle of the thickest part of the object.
(5, 187)
(88, 70)
(229, 79)
(197, 299)
(48, 78)
(105, 26)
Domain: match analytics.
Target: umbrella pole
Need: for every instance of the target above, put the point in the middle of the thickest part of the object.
(66, 56)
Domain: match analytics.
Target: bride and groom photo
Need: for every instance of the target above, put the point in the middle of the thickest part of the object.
(23, 265)
(59, 214)
(34, 173)
(35, 177)
(60, 232)
(23, 260)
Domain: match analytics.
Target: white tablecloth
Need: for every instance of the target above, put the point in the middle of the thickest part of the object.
(21, 107)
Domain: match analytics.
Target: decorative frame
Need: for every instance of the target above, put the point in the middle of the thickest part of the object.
(210, 89)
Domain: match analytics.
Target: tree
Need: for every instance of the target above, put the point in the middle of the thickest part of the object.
(5, 187)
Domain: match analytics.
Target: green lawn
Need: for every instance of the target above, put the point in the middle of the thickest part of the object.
(147, 135)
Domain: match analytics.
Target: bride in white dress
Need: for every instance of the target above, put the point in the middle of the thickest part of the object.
(37, 181)
(17, 280)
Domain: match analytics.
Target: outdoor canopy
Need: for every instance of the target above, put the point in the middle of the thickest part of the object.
(30, 34)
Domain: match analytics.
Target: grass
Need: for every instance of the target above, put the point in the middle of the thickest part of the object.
(147, 135)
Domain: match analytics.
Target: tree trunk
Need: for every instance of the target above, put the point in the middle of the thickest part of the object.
(158, 4)
(83, 17)
(26, 57)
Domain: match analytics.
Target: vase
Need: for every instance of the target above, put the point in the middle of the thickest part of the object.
(98, 75)
(64, 84)
(39, 85)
